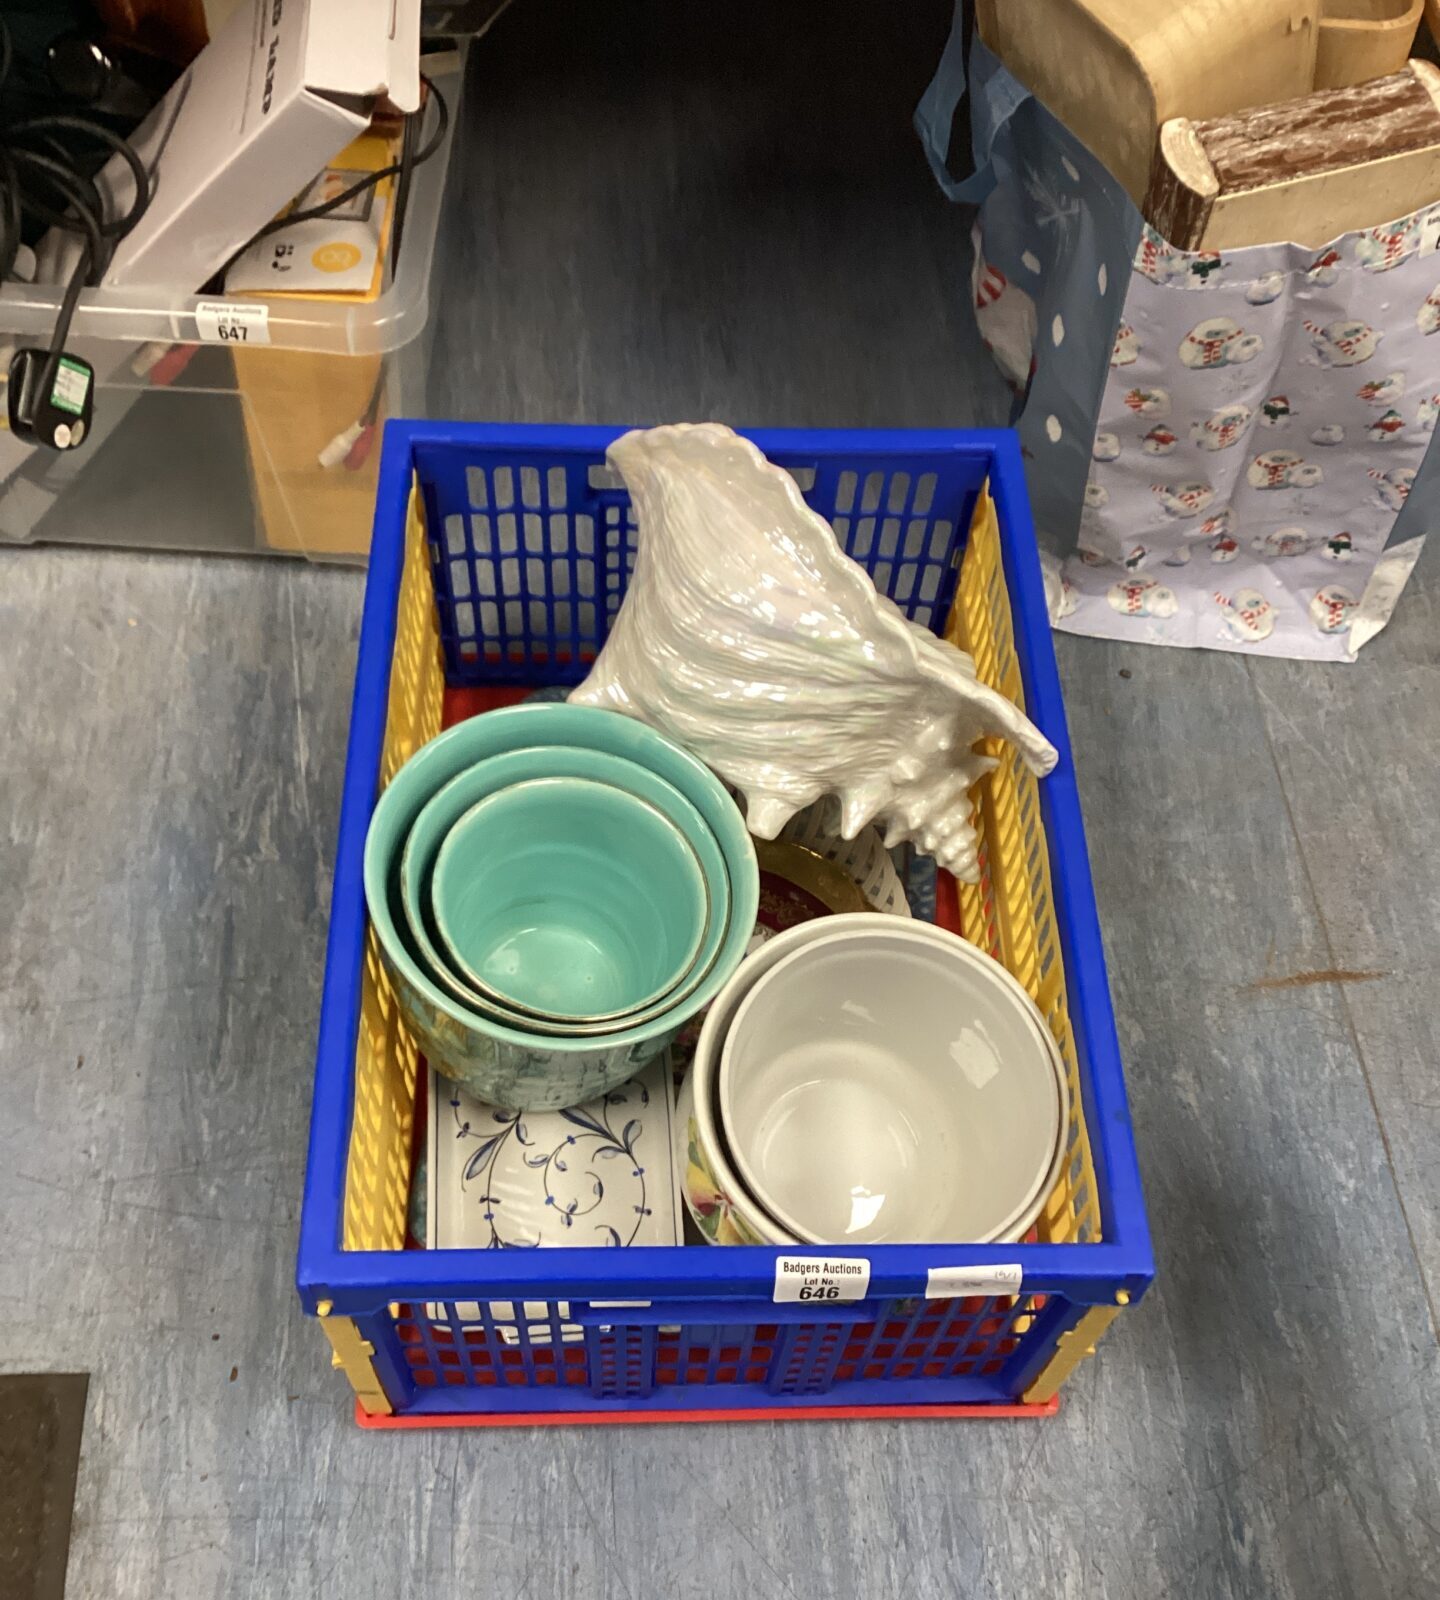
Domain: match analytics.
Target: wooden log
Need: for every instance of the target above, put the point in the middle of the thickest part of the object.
(1305, 171)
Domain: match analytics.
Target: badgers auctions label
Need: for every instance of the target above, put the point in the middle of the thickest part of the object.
(232, 322)
(827, 1280)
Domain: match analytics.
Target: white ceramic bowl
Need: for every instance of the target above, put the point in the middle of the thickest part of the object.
(892, 1083)
(723, 1211)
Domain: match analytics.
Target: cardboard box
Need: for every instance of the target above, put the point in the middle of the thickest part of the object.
(339, 255)
(296, 403)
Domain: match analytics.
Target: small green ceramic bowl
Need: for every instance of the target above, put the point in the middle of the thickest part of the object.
(507, 1066)
(571, 900)
(439, 815)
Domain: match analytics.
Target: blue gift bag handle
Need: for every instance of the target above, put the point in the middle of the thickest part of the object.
(997, 97)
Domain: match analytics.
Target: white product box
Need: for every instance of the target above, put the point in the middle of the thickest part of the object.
(282, 87)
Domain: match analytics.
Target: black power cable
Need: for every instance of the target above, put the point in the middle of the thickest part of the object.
(46, 179)
(400, 168)
(47, 166)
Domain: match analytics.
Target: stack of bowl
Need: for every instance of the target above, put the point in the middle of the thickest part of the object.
(555, 890)
(868, 1079)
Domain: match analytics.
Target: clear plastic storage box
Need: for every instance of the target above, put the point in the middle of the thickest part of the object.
(199, 443)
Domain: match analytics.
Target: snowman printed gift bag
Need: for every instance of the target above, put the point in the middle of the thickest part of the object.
(1228, 450)
(1295, 380)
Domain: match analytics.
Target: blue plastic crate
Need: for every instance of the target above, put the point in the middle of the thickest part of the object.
(500, 557)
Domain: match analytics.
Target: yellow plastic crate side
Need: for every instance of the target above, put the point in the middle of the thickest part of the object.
(377, 1182)
(352, 1355)
(417, 676)
(1074, 1348)
(1011, 911)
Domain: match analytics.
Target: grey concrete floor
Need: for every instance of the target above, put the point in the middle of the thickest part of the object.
(674, 212)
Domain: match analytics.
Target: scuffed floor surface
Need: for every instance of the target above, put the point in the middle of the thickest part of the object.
(672, 212)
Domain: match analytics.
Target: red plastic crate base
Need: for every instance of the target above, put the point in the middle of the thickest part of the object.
(567, 1419)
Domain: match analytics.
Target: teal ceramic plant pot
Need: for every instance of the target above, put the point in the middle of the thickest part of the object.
(569, 900)
(508, 1066)
(440, 814)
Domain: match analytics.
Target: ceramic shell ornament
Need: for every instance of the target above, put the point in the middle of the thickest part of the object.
(752, 639)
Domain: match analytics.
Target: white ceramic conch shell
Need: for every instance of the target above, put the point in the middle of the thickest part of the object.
(750, 637)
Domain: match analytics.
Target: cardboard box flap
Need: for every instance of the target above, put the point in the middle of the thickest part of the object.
(404, 90)
(364, 48)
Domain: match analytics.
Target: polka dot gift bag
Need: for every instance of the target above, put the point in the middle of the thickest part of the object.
(1224, 449)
